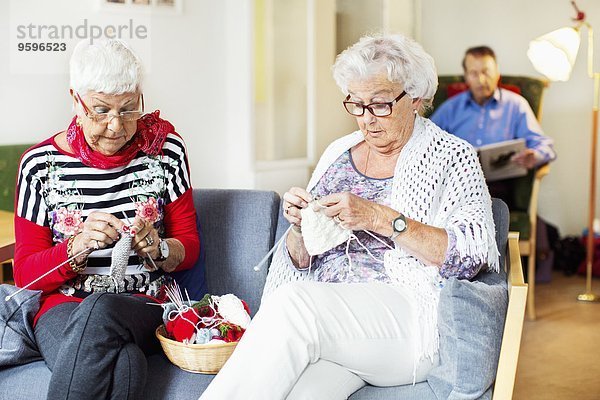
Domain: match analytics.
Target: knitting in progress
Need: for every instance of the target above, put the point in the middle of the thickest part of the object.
(320, 232)
(120, 258)
(118, 265)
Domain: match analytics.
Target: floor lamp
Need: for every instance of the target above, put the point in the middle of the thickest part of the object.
(553, 55)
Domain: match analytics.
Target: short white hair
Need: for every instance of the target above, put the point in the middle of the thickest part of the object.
(105, 66)
(404, 60)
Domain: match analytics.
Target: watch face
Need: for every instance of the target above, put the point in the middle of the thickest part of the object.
(399, 224)
(164, 249)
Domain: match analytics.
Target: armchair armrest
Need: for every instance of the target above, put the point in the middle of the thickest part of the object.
(535, 190)
(513, 327)
(542, 171)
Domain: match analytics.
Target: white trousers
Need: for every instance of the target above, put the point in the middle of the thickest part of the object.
(313, 340)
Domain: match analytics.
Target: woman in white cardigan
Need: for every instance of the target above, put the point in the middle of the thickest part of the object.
(413, 203)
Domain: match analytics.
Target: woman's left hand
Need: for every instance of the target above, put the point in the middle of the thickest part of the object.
(146, 240)
(352, 211)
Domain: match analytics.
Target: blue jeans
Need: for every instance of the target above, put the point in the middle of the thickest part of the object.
(96, 349)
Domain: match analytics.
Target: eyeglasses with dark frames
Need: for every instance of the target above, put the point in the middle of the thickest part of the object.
(105, 118)
(377, 109)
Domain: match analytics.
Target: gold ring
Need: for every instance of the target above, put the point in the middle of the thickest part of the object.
(149, 240)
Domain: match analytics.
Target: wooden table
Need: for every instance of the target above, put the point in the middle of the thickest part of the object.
(7, 239)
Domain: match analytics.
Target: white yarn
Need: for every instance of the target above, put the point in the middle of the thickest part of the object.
(232, 309)
(320, 232)
(437, 181)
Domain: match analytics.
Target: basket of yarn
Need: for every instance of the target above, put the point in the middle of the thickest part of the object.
(196, 358)
(199, 336)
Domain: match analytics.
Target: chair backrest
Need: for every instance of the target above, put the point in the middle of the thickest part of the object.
(532, 89)
(9, 164)
(237, 230)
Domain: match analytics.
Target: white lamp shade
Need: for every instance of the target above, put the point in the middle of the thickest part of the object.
(554, 53)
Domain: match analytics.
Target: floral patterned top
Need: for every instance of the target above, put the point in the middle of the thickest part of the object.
(58, 192)
(360, 266)
(65, 199)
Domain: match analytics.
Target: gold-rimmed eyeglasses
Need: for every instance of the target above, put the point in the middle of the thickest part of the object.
(105, 118)
(377, 109)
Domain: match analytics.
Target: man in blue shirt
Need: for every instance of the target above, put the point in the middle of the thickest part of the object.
(487, 114)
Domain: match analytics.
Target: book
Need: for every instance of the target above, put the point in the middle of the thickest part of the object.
(496, 161)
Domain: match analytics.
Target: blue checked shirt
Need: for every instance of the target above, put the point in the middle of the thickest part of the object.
(505, 116)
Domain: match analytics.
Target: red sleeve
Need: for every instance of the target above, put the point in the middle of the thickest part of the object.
(180, 224)
(35, 255)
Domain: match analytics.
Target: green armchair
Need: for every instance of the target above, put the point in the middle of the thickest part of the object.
(524, 196)
(9, 165)
(530, 88)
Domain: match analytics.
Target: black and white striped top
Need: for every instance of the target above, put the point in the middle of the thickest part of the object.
(57, 191)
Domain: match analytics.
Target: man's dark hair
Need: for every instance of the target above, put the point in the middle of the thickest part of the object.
(478, 51)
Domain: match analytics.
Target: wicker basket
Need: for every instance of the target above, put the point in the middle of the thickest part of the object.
(196, 358)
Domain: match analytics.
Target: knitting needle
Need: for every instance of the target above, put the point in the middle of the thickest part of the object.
(7, 298)
(146, 258)
(126, 218)
(261, 262)
(152, 262)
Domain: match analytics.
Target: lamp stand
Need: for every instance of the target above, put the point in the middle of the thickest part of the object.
(588, 295)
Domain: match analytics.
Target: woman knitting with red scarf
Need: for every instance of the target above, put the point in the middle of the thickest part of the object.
(114, 173)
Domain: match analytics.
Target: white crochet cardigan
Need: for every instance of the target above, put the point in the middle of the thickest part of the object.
(437, 181)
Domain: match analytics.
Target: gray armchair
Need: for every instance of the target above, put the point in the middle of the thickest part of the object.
(238, 229)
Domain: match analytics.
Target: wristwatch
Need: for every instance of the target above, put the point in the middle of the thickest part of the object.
(399, 225)
(163, 250)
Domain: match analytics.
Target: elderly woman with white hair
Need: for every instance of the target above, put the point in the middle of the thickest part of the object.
(410, 204)
(110, 199)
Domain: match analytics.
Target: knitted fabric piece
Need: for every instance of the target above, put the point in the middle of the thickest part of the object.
(320, 232)
(120, 259)
(437, 181)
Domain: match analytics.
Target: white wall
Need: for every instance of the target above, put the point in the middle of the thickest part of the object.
(449, 27)
(199, 66)
(201, 79)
